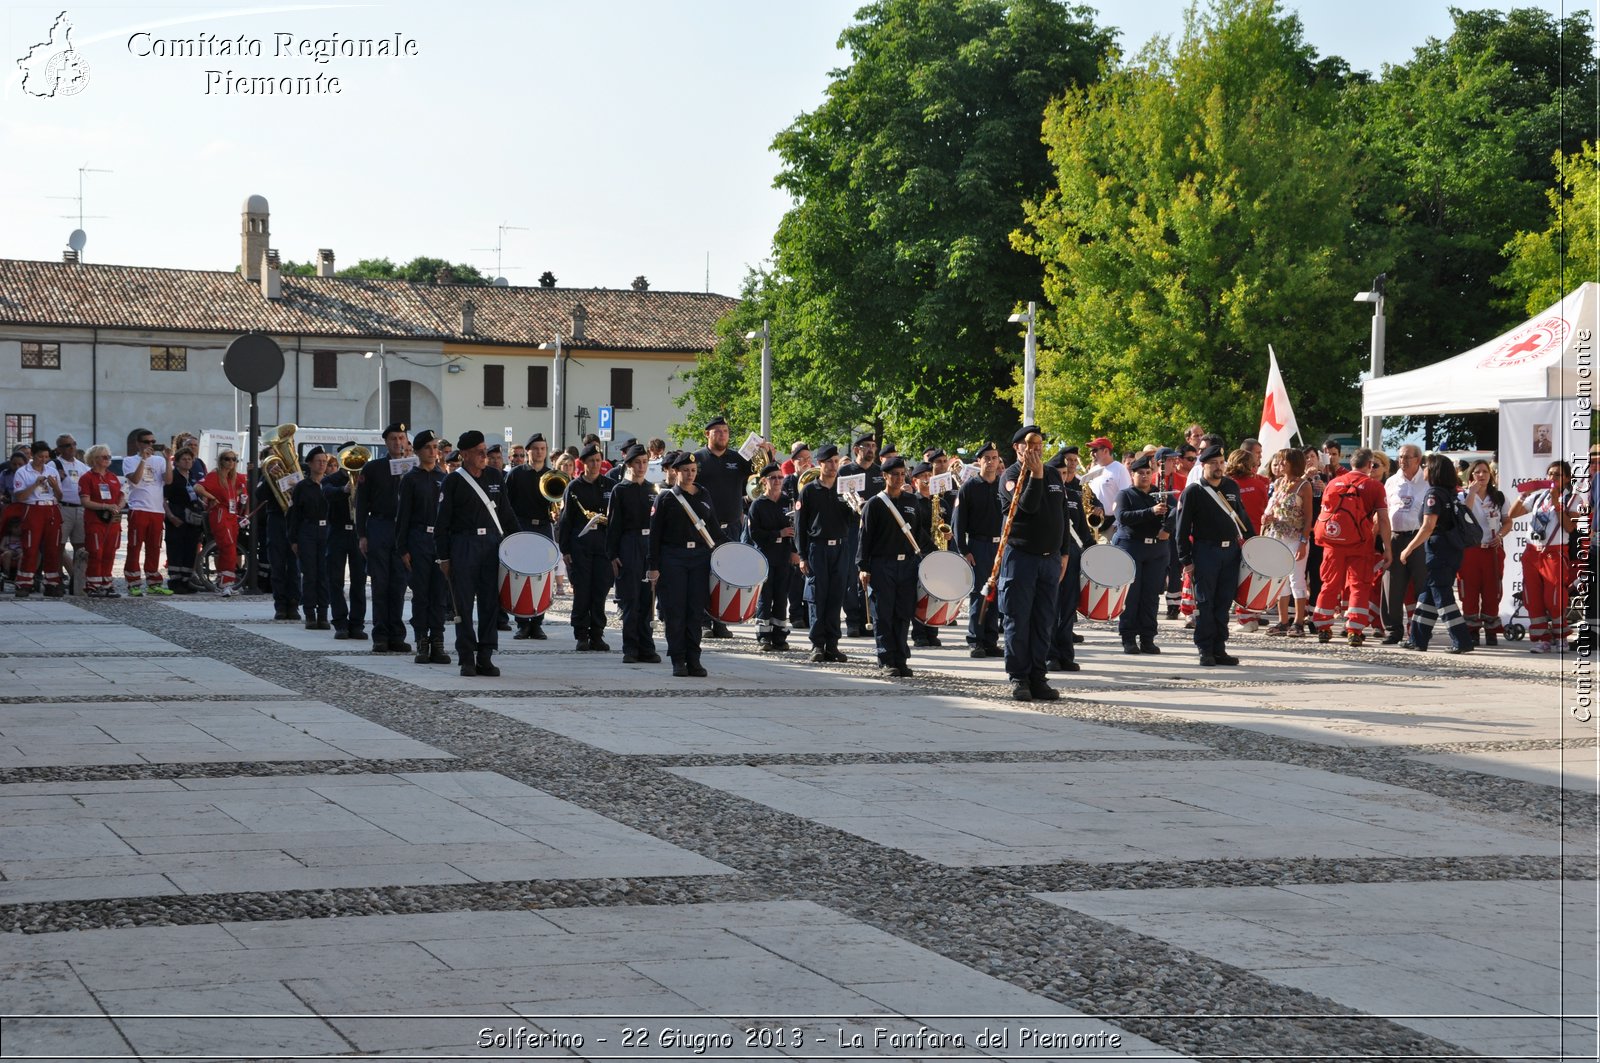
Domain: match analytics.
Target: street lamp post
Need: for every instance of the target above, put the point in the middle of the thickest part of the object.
(383, 385)
(766, 377)
(1372, 427)
(558, 413)
(1030, 360)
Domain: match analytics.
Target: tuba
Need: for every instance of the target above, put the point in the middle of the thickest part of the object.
(754, 487)
(281, 463)
(353, 457)
(810, 476)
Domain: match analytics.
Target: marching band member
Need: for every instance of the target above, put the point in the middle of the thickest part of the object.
(415, 524)
(147, 474)
(583, 549)
(1063, 657)
(683, 532)
(800, 460)
(771, 532)
(1144, 525)
(224, 490)
(1031, 570)
(472, 519)
(533, 512)
(722, 475)
(975, 533)
(377, 496)
(282, 565)
(894, 535)
(308, 538)
(856, 621)
(344, 554)
(821, 522)
(185, 516)
(1211, 527)
(101, 492)
(921, 493)
(628, 547)
(37, 486)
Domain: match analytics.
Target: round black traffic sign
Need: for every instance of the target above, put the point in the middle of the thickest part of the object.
(254, 363)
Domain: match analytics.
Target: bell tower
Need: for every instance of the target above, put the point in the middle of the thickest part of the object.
(253, 237)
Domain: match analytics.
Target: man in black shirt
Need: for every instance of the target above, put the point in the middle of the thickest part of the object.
(1079, 538)
(583, 549)
(821, 522)
(377, 497)
(722, 474)
(683, 532)
(282, 566)
(533, 512)
(855, 602)
(415, 518)
(628, 548)
(344, 554)
(473, 517)
(1212, 524)
(1144, 527)
(771, 531)
(308, 537)
(894, 536)
(1031, 570)
(975, 533)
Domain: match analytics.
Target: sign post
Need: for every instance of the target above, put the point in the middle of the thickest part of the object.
(254, 363)
(606, 424)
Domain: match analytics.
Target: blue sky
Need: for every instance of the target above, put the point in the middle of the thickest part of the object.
(622, 136)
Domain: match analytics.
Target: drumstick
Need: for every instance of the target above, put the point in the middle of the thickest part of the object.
(1005, 537)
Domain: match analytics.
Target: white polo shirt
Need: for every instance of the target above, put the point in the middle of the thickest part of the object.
(1405, 499)
(27, 476)
(70, 471)
(145, 492)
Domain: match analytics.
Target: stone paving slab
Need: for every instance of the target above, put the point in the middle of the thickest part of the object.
(50, 679)
(88, 733)
(383, 982)
(580, 673)
(47, 611)
(30, 640)
(1490, 966)
(1124, 811)
(1574, 768)
(314, 832)
(889, 723)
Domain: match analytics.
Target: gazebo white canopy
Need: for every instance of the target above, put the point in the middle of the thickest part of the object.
(1538, 359)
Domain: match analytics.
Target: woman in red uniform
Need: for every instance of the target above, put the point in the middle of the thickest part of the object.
(225, 493)
(101, 492)
(1483, 567)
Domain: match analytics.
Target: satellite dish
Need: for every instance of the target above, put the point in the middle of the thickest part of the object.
(77, 239)
(501, 282)
(254, 363)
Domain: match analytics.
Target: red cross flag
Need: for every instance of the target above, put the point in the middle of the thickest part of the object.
(1278, 425)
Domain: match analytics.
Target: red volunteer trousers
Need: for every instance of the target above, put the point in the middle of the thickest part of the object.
(1545, 583)
(1482, 568)
(101, 540)
(41, 536)
(144, 534)
(1346, 570)
(225, 530)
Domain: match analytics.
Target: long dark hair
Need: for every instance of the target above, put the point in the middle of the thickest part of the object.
(1493, 493)
(1442, 472)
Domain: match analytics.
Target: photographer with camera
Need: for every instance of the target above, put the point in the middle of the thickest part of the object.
(147, 472)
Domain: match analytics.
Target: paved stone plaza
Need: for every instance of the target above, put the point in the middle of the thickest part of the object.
(226, 837)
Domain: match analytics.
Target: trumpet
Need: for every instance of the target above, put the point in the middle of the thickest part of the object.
(553, 488)
(281, 463)
(353, 457)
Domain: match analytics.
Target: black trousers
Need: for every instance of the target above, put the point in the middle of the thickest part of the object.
(831, 570)
(312, 545)
(344, 556)
(635, 597)
(284, 566)
(389, 580)
(535, 623)
(1062, 648)
(685, 590)
(984, 633)
(590, 573)
(1139, 616)
(772, 609)
(475, 581)
(430, 596)
(893, 598)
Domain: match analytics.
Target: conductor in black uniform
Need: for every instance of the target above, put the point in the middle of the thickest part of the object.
(683, 532)
(1145, 524)
(1212, 524)
(975, 533)
(894, 536)
(415, 521)
(821, 522)
(377, 500)
(583, 549)
(533, 512)
(1031, 570)
(628, 547)
(473, 517)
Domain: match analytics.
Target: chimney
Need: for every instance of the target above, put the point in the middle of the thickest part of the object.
(271, 279)
(469, 311)
(253, 237)
(70, 256)
(579, 316)
(325, 262)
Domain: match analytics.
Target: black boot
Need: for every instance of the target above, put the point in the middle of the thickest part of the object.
(467, 667)
(486, 664)
(424, 652)
(1489, 637)
(438, 654)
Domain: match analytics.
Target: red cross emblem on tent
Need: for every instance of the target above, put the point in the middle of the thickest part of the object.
(1529, 343)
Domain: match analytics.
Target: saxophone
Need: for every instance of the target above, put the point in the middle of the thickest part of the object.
(941, 530)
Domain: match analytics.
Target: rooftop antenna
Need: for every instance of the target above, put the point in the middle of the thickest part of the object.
(708, 272)
(85, 168)
(499, 248)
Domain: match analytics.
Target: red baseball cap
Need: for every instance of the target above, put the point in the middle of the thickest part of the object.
(1099, 444)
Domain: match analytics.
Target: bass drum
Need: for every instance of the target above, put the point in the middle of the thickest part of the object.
(1265, 566)
(527, 563)
(1107, 575)
(944, 579)
(737, 572)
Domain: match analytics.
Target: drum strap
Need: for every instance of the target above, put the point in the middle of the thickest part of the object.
(467, 476)
(898, 519)
(699, 525)
(1227, 507)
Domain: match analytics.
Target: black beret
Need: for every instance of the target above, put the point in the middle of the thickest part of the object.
(1213, 451)
(590, 451)
(635, 451)
(1022, 433)
(862, 441)
(894, 463)
(626, 443)
(537, 437)
(714, 422)
(496, 448)
(888, 448)
(769, 470)
(313, 452)
(1058, 459)
(423, 438)
(1163, 453)
(469, 439)
(985, 449)
(1070, 450)
(824, 452)
(1141, 462)
(794, 451)
(1186, 449)
(396, 427)
(933, 455)
(922, 467)
(683, 458)
(453, 456)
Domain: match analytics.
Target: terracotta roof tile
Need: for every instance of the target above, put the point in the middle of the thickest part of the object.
(87, 295)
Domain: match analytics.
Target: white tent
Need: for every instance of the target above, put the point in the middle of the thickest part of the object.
(1538, 359)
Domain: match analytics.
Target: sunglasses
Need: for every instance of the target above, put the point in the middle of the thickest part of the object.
(227, 461)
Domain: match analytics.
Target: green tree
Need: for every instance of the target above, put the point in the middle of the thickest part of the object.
(1201, 202)
(1548, 264)
(420, 270)
(893, 270)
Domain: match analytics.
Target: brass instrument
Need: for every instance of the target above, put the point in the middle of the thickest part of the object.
(353, 457)
(810, 476)
(941, 530)
(1096, 521)
(754, 487)
(281, 462)
(553, 489)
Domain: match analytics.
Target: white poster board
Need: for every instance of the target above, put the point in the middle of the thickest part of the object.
(1533, 433)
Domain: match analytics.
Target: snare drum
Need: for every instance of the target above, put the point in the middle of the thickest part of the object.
(944, 579)
(527, 561)
(1265, 566)
(737, 573)
(1107, 575)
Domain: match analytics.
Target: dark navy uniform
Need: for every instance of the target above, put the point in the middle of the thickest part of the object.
(723, 478)
(588, 567)
(924, 634)
(308, 530)
(344, 555)
(1079, 538)
(533, 514)
(790, 497)
(890, 559)
(468, 537)
(855, 606)
(769, 521)
(1139, 534)
(1030, 575)
(283, 566)
(682, 556)
(822, 523)
(415, 522)
(377, 500)
(1209, 538)
(975, 533)
(628, 542)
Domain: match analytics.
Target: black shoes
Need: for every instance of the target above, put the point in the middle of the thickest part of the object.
(719, 630)
(1172, 612)
(628, 658)
(996, 651)
(468, 669)
(503, 624)
(424, 652)
(599, 646)
(650, 658)
(486, 665)
(342, 635)
(680, 671)
(1207, 661)
(1226, 658)
(977, 653)
(379, 647)
(696, 671)
(522, 634)
(357, 634)
(835, 656)
(1071, 666)
(818, 656)
(900, 671)
(584, 646)
(1076, 638)
(1021, 691)
(1392, 639)
(1148, 647)
(400, 647)
(1325, 635)
(1130, 647)
(1043, 691)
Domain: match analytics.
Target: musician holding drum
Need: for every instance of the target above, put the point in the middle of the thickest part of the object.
(771, 531)
(415, 517)
(1211, 528)
(683, 532)
(1144, 525)
(474, 515)
(894, 536)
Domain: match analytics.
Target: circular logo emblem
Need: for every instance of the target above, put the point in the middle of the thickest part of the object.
(1527, 344)
(68, 72)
